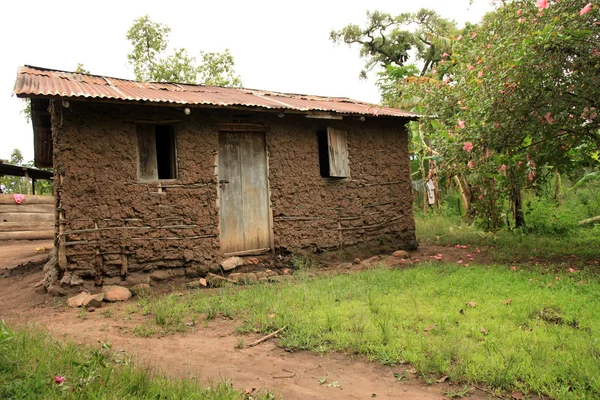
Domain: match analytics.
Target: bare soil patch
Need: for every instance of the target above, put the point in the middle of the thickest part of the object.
(17, 252)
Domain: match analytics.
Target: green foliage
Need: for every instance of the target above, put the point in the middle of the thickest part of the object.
(217, 69)
(515, 100)
(390, 41)
(81, 69)
(31, 361)
(150, 42)
(149, 39)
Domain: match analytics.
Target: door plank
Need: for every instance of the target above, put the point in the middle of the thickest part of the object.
(338, 153)
(230, 183)
(244, 212)
(254, 183)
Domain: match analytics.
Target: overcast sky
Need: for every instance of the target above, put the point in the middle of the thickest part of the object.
(277, 45)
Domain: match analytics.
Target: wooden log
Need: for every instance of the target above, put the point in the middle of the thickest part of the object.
(590, 220)
(27, 217)
(95, 230)
(176, 238)
(29, 199)
(21, 226)
(27, 235)
(265, 338)
(256, 252)
(27, 208)
(124, 263)
(299, 218)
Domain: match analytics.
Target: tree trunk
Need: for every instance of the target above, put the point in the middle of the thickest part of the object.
(557, 189)
(466, 196)
(517, 202)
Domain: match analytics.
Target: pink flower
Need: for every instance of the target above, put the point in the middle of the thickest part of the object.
(474, 35)
(59, 379)
(471, 68)
(461, 124)
(586, 9)
(514, 268)
(549, 118)
(519, 12)
(480, 73)
(542, 4)
(503, 167)
(459, 37)
(470, 164)
(445, 55)
(480, 197)
(468, 146)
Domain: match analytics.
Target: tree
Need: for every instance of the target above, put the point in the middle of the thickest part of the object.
(81, 69)
(150, 41)
(395, 45)
(516, 100)
(217, 69)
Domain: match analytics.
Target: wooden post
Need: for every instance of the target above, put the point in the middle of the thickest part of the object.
(33, 186)
(124, 265)
(61, 238)
(27, 182)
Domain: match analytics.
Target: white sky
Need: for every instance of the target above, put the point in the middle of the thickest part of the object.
(277, 45)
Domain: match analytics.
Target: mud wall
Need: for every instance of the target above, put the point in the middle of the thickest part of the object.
(111, 225)
(373, 205)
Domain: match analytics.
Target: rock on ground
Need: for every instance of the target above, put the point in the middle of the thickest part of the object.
(116, 293)
(94, 300)
(77, 301)
(401, 254)
(231, 263)
(216, 280)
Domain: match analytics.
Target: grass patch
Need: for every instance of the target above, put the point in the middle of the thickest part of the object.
(509, 246)
(31, 364)
(444, 319)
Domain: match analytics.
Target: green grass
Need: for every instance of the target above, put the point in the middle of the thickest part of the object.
(509, 246)
(546, 340)
(30, 360)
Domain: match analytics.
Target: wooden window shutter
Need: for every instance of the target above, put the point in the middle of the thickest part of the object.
(338, 153)
(147, 167)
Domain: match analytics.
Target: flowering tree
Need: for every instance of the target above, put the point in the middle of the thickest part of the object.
(515, 100)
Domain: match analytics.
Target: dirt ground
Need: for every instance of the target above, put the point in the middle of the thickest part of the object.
(15, 252)
(208, 352)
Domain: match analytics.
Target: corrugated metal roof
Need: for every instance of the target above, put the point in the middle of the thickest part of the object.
(42, 82)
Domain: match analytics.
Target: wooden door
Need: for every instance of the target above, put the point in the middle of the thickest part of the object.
(244, 200)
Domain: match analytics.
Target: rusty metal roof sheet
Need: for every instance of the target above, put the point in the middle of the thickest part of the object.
(42, 82)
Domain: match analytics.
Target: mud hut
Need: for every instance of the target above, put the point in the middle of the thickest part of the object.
(174, 176)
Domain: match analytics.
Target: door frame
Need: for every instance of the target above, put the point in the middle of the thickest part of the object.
(255, 128)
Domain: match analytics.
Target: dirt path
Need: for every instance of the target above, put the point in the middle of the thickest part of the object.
(15, 252)
(208, 352)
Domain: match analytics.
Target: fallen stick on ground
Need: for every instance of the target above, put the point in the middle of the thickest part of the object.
(265, 338)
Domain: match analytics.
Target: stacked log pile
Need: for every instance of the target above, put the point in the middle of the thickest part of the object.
(32, 219)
